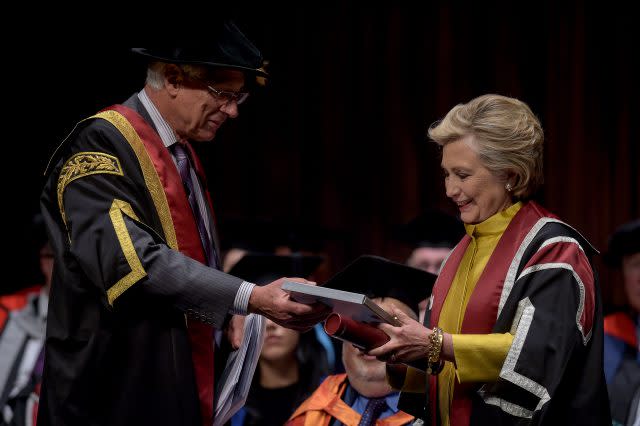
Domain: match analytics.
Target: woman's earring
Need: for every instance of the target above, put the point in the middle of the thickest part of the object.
(508, 187)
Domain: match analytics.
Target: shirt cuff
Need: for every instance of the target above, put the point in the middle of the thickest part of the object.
(241, 302)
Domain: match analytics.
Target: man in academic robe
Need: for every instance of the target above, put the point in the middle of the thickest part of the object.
(137, 293)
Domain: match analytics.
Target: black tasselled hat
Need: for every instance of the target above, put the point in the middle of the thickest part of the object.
(229, 48)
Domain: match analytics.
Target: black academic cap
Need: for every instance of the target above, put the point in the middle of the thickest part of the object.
(376, 276)
(432, 228)
(228, 48)
(624, 241)
(263, 268)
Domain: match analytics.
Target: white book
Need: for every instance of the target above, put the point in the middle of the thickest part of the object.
(353, 305)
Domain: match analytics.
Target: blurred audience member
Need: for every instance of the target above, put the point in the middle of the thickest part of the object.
(37, 237)
(292, 364)
(431, 236)
(622, 329)
(22, 346)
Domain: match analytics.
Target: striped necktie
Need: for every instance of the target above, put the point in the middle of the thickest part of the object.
(183, 162)
(374, 408)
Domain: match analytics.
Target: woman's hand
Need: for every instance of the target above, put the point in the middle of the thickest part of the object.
(408, 342)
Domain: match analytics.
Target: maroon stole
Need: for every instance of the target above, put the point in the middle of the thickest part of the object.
(482, 309)
(200, 334)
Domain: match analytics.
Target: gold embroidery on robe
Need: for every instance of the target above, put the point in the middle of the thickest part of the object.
(85, 164)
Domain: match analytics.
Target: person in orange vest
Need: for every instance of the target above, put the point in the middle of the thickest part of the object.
(622, 329)
(362, 396)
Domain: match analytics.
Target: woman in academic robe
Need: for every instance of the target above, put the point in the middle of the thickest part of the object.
(513, 333)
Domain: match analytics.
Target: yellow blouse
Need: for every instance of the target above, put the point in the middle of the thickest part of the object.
(479, 357)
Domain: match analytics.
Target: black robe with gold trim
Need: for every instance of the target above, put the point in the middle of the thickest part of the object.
(540, 286)
(117, 347)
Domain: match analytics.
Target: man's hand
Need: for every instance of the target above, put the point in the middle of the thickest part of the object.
(274, 303)
(235, 331)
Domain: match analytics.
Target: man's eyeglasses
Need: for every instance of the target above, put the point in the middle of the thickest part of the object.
(226, 96)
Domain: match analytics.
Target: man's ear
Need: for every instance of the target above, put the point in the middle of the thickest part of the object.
(173, 78)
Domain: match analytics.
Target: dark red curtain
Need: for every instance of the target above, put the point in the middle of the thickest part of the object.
(338, 140)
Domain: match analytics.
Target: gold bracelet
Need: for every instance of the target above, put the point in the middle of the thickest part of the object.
(434, 364)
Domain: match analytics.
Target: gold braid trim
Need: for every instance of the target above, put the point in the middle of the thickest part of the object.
(118, 208)
(84, 164)
(149, 172)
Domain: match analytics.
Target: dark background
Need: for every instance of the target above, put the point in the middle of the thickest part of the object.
(337, 139)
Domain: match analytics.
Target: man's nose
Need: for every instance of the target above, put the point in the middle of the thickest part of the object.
(230, 108)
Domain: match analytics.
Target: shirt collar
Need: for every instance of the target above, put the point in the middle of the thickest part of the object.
(392, 401)
(494, 225)
(166, 133)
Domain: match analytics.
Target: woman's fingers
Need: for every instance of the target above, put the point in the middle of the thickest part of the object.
(401, 316)
(381, 350)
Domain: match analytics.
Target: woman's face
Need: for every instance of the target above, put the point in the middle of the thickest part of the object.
(279, 342)
(477, 192)
(631, 272)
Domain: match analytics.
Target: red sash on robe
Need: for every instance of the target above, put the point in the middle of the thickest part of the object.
(200, 334)
(482, 308)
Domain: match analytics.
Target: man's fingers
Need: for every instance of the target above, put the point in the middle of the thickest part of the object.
(235, 331)
(307, 310)
(301, 280)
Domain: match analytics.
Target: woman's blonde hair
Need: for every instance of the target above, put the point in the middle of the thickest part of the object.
(506, 135)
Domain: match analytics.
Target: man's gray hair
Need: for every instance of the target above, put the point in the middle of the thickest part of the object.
(155, 75)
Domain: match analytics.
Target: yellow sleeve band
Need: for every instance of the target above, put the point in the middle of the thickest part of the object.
(479, 357)
(119, 208)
